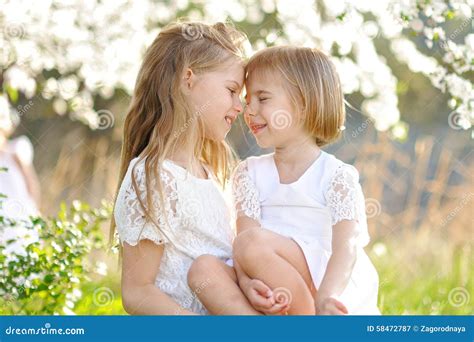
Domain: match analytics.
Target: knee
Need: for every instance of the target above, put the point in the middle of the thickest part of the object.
(200, 269)
(250, 245)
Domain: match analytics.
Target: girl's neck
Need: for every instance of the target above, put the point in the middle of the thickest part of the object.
(187, 160)
(299, 151)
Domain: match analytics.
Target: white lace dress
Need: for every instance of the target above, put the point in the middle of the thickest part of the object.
(194, 220)
(306, 211)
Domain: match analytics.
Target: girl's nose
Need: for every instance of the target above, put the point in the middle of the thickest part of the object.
(248, 110)
(238, 105)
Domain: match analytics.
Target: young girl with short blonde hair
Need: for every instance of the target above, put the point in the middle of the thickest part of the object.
(301, 219)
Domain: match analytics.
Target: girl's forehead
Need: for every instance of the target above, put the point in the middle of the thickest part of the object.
(265, 78)
(235, 68)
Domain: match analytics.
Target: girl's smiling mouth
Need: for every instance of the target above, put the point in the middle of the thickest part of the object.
(229, 119)
(257, 128)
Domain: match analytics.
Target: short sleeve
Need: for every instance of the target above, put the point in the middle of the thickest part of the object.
(245, 193)
(23, 150)
(131, 221)
(344, 196)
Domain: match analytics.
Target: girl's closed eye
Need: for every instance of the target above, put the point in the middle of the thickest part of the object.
(263, 99)
(232, 91)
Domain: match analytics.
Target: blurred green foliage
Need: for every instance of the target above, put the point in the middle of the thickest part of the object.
(47, 276)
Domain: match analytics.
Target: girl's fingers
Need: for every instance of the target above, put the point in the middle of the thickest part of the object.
(277, 308)
(339, 305)
(336, 311)
(342, 307)
(262, 302)
(261, 288)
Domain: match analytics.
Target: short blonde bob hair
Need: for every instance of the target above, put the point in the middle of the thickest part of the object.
(313, 86)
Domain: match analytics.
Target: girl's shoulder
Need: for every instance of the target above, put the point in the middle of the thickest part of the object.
(256, 163)
(332, 170)
(331, 165)
(169, 171)
(138, 165)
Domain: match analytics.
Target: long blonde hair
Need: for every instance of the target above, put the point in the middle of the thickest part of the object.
(159, 115)
(312, 83)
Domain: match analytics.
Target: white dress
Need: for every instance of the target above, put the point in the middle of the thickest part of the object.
(306, 211)
(19, 204)
(194, 220)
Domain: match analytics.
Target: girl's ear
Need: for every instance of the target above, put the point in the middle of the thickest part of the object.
(189, 78)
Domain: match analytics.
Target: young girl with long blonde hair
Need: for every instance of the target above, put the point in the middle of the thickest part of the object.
(169, 206)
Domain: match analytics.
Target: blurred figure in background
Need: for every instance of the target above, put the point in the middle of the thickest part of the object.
(19, 182)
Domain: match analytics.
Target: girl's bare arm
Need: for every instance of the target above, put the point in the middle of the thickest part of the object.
(341, 262)
(140, 296)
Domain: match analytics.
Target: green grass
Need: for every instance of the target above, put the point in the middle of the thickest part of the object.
(101, 298)
(426, 281)
(416, 278)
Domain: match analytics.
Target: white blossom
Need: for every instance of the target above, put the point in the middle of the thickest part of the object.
(97, 46)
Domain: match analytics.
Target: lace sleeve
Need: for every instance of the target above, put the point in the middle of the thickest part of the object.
(344, 196)
(245, 193)
(132, 224)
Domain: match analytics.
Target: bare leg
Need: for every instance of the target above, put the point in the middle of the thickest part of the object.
(215, 284)
(280, 263)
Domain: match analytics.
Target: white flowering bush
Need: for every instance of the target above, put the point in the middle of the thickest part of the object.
(43, 262)
(73, 52)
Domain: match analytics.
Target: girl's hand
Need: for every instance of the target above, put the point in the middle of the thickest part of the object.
(261, 298)
(330, 306)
